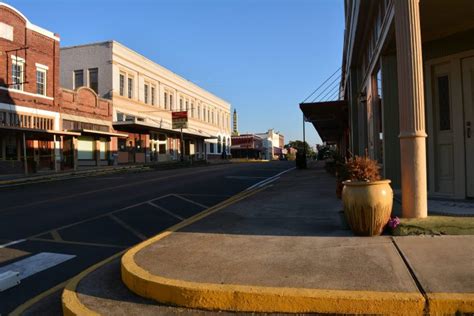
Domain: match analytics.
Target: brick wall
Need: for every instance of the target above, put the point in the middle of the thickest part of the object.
(40, 49)
(84, 102)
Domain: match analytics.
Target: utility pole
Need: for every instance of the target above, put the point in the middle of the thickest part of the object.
(182, 145)
(304, 138)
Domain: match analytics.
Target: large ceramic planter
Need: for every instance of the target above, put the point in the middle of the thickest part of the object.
(367, 206)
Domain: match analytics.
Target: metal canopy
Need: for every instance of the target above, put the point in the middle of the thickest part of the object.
(328, 118)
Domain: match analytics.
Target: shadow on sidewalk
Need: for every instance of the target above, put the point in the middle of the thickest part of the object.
(300, 203)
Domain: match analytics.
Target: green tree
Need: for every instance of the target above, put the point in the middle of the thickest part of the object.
(300, 146)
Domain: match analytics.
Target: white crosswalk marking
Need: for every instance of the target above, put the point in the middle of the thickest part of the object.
(37, 263)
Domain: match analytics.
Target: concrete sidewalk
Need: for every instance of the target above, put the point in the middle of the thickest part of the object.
(283, 249)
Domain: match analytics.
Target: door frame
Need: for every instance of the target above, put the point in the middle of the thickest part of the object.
(459, 155)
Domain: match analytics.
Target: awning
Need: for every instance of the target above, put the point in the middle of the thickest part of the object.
(100, 133)
(330, 118)
(145, 127)
(39, 131)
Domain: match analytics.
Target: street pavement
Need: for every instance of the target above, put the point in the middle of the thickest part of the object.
(54, 230)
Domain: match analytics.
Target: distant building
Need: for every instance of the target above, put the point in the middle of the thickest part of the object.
(247, 146)
(273, 143)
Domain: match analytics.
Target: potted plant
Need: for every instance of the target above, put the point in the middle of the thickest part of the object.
(366, 198)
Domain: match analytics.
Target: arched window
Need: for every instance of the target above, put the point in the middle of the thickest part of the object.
(219, 144)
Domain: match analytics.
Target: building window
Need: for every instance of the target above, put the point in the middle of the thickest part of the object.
(130, 88)
(199, 112)
(41, 81)
(444, 106)
(78, 78)
(17, 75)
(146, 92)
(187, 106)
(180, 104)
(166, 100)
(152, 95)
(122, 84)
(171, 102)
(94, 79)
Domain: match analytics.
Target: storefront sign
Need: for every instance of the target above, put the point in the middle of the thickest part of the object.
(179, 119)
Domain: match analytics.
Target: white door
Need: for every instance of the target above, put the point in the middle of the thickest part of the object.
(443, 127)
(468, 97)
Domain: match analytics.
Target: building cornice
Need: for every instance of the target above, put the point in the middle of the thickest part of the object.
(30, 25)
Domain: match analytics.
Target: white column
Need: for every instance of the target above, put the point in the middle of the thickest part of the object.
(412, 109)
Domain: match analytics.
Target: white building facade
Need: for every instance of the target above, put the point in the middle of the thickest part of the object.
(273, 143)
(144, 94)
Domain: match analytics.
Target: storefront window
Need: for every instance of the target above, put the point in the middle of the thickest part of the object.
(11, 148)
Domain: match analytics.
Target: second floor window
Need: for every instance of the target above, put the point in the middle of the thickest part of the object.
(130, 88)
(152, 96)
(171, 102)
(122, 85)
(166, 100)
(17, 75)
(146, 92)
(94, 79)
(41, 81)
(78, 78)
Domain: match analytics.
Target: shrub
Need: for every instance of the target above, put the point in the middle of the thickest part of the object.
(362, 169)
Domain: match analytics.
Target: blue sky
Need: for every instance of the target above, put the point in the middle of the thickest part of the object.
(263, 56)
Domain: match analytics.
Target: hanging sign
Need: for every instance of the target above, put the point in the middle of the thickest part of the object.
(179, 119)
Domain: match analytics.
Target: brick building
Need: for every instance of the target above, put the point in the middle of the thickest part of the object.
(247, 146)
(43, 126)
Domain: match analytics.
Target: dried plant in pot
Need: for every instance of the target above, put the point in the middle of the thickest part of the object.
(366, 198)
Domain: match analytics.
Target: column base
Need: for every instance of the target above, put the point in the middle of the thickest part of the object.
(414, 178)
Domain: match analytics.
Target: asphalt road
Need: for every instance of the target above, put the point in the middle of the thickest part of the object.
(89, 219)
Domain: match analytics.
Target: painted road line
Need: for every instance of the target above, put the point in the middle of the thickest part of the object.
(56, 235)
(25, 306)
(263, 182)
(71, 302)
(164, 210)
(244, 177)
(120, 186)
(79, 243)
(97, 217)
(12, 243)
(36, 263)
(127, 227)
(191, 201)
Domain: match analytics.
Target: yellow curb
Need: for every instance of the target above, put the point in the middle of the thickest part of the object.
(450, 303)
(249, 160)
(71, 303)
(244, 298)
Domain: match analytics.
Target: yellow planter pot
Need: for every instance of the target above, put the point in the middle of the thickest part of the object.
(367, 206)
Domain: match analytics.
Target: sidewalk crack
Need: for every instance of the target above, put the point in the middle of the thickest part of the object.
(414, 277)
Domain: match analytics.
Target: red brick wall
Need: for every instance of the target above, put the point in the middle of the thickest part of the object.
(41, 49)
(84, 102)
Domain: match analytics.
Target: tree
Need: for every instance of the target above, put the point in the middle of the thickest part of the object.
(300, 146)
